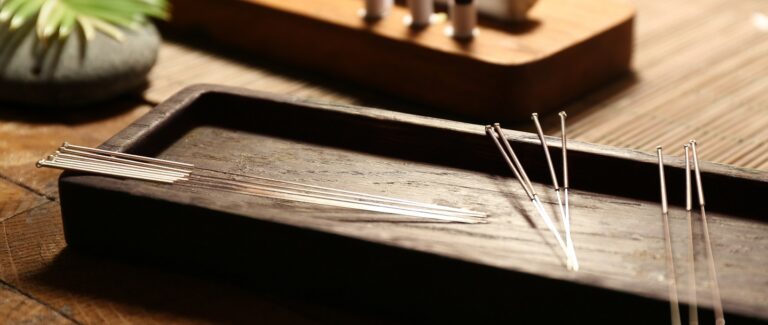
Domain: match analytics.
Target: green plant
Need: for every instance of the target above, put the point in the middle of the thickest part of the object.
(59, 18)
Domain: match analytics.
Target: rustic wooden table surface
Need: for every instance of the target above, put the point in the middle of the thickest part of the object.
(701, 70)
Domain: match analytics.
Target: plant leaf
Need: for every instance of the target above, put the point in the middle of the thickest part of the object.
(53, 21)
(29, 9)
(87, 27)
(62, 16)
(43, 16)
(9, 8)
(68, 21)
(106, 28)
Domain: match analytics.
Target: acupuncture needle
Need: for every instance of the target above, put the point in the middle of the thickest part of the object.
(108, 165)
(53, 164)
(109, 172)
(572, 263)
(129, 156)
(131, 170)
(516, 167)
(317, 199)
(671, 273)
(65, 158)
(343, 194)
(65, 150)
(266, 192)
(716, 299)
(515, 160)
(693, 313)
(322, 195)
(534, 196)
(566, 203)
(362, 195)
(117, 168)
(72, 159)
(282, 192)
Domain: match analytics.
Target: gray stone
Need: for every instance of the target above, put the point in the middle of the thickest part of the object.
(74, 72)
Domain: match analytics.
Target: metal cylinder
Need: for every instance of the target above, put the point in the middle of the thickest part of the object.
(421, 12)
(463, 19)
(377, 9)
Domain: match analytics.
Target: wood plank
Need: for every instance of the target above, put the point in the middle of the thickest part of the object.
(15, 199)
(26, 137)
(16, 308)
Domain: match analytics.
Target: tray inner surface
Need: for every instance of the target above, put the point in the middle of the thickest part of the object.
(615, 214)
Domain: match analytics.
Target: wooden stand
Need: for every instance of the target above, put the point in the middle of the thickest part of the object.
(567, 48)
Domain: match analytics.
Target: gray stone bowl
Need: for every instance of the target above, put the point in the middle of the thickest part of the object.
(74, 72)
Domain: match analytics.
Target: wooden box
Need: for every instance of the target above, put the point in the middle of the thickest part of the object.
(507, 270)
(566, 49)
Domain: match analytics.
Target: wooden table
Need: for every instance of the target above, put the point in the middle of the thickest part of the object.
(701, 70)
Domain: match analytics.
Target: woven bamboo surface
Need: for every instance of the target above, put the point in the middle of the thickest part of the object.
(700, 71)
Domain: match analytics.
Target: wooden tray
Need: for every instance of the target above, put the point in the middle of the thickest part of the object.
(505, 270)
(568, 48)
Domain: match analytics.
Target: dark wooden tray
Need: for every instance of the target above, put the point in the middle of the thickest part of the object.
(566, 49)
(503, 270)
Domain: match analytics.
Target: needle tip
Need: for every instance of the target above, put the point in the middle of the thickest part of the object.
(534, 115)
(562, 114)
(65, 144)
(658, 148)
(496, 125)
(692, 141)
(39, 164)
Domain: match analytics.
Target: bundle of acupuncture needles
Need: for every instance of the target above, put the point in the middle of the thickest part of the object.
(103, 162)
(500, 140)
(717, 305)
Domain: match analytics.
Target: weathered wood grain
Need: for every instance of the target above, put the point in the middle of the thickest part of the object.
(15, 199)
(16, 308)
(618, 237)
(26, 137)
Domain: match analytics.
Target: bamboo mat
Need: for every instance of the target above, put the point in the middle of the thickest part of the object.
(700, 71)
